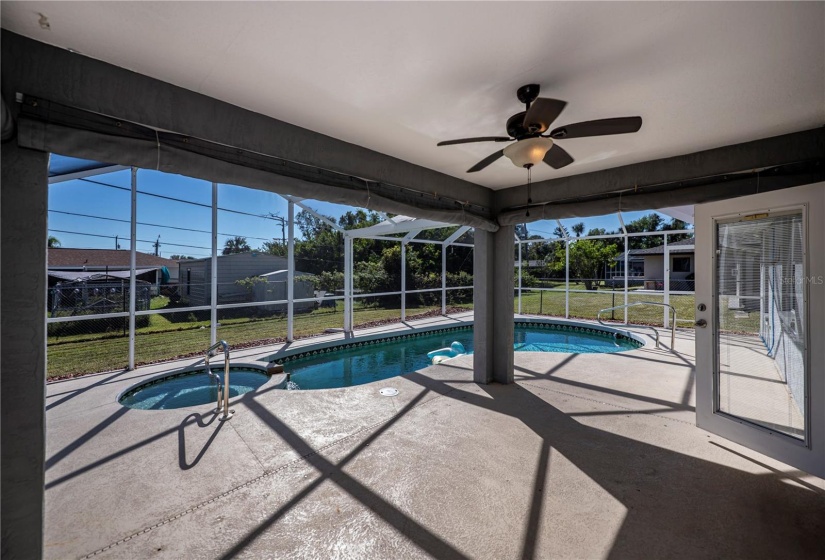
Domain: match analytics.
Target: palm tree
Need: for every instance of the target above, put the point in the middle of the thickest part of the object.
(236, 244)
(53, 242)
(578, 229)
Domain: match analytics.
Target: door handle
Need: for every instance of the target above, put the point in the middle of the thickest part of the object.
(701, 323)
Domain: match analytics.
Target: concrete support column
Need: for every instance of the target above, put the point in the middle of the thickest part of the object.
(493, 266)
(403, 281)
(348, 289)
(213, 279)
(290, 280)
(23, 205)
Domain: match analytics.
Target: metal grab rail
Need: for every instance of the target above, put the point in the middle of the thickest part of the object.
(656, 332)
(223, 392)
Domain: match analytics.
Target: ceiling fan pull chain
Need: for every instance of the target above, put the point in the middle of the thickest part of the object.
(529, 186)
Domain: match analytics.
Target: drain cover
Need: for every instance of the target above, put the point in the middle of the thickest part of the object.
(389, 391)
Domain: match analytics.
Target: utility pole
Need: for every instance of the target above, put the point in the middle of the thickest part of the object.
(282, 220)
(117, 245)
(157, 247)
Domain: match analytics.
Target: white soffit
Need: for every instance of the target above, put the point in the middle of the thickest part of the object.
(399, 77)
(684, 213)
(398, 224)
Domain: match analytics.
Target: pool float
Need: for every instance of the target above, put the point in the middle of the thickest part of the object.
(453, 351)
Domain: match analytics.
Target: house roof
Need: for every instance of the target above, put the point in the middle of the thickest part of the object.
(78, 258)
(660, 250)
(81, 276)
(675, 247)
(233, 255)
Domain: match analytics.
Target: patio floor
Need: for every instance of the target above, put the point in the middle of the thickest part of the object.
(585, 456)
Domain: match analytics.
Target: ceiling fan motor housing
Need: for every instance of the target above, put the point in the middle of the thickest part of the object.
(516, 127)
(528, 93)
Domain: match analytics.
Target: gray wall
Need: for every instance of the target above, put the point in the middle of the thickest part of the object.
(276, 289)
(230, 268)
(23, 325)
(57, 75)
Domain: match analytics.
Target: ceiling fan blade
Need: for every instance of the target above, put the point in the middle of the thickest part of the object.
(479, 139)
(486, 161)
(556, 157)
(601, 127)
(543, 111)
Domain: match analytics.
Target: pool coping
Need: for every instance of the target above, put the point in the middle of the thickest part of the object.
(274, 381)
(285, 355)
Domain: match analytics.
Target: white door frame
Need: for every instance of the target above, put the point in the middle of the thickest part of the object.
(809, 455)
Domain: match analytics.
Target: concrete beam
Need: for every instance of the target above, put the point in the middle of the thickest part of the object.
(787, 149)
(23, 326)
(57, 75)
(493, 306)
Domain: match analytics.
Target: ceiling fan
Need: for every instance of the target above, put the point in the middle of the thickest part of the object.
(528, 129)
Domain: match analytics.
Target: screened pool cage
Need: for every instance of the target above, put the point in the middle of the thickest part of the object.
(210, 303)
(661, 274)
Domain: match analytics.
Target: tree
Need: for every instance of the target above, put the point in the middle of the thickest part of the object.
(53, 242)
(676, 224)
(274, 247)
(587, 259)
(236, 244)
(578, 229)
(181, 258)
(649, 222)
(311, 225)
(561, 231)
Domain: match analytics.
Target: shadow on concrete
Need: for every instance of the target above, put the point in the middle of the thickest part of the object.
(198, 419)
(69, 395)
(531, 375)
(334, 472)
(678, 506)
(112, 456)
(85, 438)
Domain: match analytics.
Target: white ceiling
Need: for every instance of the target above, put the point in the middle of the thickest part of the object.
(399, 77)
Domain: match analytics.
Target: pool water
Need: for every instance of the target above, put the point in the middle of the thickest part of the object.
(374, 362)
(191, 389)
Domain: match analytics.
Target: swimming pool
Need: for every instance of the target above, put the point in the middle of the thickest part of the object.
(190, 388)
(360, 362)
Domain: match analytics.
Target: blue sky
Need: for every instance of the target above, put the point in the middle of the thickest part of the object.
(184, 227)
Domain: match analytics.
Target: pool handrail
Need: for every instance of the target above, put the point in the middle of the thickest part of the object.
(655, 331)
(223, 394)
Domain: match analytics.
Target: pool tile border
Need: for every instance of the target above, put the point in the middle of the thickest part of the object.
(395, 338)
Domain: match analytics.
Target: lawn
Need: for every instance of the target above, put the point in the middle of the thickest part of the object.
(172, 336)
(177, 335)
(586, 305)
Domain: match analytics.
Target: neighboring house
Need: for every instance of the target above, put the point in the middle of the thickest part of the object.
(195, 280)
(93, 281)
(647, 266)
(76, 264)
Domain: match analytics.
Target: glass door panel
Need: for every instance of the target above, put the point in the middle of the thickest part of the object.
(760, 300)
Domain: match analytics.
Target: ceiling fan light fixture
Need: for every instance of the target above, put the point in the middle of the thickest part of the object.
(530, 151)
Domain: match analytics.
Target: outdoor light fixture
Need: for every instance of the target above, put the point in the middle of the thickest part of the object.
(529, 151)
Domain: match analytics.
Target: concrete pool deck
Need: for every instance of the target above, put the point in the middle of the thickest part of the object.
(585, 456)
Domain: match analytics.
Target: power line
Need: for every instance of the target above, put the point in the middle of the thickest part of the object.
(156, 225)
(201, 204)
(127, 239)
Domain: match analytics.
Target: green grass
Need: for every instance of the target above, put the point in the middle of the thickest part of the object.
(164, 340)
(586, 305)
